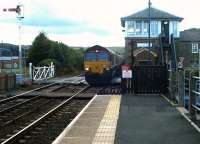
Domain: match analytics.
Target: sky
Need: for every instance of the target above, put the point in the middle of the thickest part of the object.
(84, 22)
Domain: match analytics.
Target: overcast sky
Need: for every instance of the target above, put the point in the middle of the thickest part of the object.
(85, 22)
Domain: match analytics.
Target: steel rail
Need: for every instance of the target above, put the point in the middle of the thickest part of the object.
(14, 97)
(24, 114)
(19, 104)
(14, 137)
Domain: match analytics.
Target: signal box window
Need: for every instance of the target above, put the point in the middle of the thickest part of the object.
(90, 57)
(138, 27)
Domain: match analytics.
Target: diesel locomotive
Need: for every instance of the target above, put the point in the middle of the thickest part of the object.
(100, 64)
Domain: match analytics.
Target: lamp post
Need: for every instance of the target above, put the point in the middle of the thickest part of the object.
(20, 17)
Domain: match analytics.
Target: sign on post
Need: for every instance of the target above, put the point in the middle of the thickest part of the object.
(126, 72)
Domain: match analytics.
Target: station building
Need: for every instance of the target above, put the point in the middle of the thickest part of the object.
(136, 28)
(189, 44)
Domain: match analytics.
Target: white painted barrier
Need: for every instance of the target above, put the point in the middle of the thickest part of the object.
(41, 73)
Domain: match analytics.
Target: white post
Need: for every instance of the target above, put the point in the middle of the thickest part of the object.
(30, 71)
(20, 16)
(52, 70)
(20, 54)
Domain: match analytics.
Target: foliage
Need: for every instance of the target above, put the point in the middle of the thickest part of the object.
(44, 51)
(39, 49)
(47, 62)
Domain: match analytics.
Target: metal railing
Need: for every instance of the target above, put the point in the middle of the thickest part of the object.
(184, 87)
(194, 95)
(189, 91)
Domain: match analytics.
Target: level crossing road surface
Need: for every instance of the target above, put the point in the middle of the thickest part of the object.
(150, 119)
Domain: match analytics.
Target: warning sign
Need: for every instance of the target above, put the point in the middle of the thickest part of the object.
(126, 73)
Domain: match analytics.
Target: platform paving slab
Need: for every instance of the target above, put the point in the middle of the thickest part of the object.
(150, 119)
(96, 125)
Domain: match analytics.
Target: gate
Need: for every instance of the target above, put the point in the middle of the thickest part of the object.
(149, 79)
(41, 73)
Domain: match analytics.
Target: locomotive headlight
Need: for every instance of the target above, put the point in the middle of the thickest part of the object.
(87, 69)
(107, 68)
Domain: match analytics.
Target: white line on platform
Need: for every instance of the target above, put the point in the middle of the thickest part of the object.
(173, 104)
(191, 122)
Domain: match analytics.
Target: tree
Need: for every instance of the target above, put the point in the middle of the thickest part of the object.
(39, 49)
(43, 51)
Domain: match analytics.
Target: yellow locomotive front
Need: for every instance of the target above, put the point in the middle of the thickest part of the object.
(97, 64)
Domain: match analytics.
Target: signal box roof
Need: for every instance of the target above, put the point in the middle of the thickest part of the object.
(156, 14)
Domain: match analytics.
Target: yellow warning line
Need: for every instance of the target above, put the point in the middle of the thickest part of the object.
(106, 131)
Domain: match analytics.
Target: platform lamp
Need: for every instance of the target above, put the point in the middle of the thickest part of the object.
(20, 16)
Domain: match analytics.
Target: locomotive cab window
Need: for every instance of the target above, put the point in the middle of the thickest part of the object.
(90, 57)
(103, 56)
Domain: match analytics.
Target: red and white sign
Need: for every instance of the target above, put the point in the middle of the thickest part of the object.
(127, 74)
(125, 67)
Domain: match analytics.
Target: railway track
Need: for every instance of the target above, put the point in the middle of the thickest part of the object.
(19, 111)
(49, 129)
(112, 89)
(41, 89)
(15, 98)
(46, 128)
(7, 102)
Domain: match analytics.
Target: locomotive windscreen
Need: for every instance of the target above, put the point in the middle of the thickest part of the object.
(90, 56)
(102, 56)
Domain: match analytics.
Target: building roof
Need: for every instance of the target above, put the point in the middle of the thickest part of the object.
(142, 50)
(191, 35)
(155, 14)
(7, 58)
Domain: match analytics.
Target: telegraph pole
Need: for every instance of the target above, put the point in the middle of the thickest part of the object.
(20, 16)
(149, 4)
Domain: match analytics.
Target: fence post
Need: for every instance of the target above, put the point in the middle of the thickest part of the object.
(192, 96)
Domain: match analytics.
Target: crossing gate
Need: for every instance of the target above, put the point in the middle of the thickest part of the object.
(41, 73)
(146, 79)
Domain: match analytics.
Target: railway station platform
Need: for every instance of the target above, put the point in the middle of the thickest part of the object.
(129, 119)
